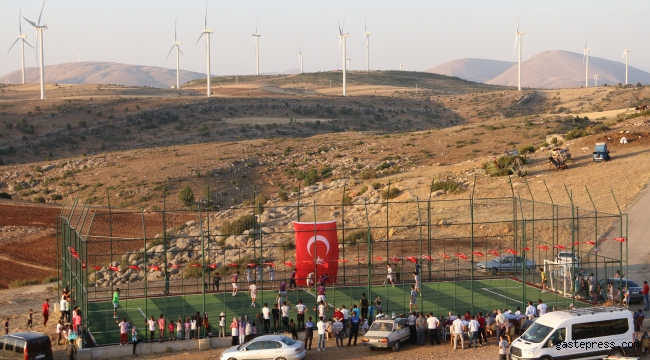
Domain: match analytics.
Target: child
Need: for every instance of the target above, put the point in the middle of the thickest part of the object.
(193, 328)
(179, 328)
(71, 350)
(64, 333)
(161, 327)
(503, 348)
(59, 331)
(7, 326)
(364, 327)
(171, 330)
(292, 329)
(187, 328)
(30, 317)
(222, 325)
(254, 330)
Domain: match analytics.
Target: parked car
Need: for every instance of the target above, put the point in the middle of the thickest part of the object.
(506, 264)
(25, 346)
(273, 347)
(567, 258)
(635, 289)
(387, 333)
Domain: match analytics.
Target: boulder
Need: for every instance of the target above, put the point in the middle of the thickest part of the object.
(133, 257)
(96, 276)
(183, 243)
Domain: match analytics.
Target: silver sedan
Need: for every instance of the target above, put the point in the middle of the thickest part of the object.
(267, 347)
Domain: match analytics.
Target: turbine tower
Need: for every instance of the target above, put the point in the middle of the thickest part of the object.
(401, 66)
(39, 32)
(21, 38)
(300, 55)
(518, 38)
(625, 55)
(207, 33)
(585, 59)
(596, 79)
(348, 63)
(343, 40)
(177, 44)
(366, 33)
(257, 48)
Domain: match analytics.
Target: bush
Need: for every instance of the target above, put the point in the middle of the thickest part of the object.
(355, 237)
(367, 174)
(236, 227)
(50, 279)
(4, 195)
(192, 271)
(347, 200)
(575, 133)
(82, 123)
(525, 149)
(309, 177)
(24, 127)
(376, 185)
(39, 199)
(447, 185)
(363, 189)
(288, 245)
(390, 193)
(21, 283)
(99, 114)
(186, 196)
(282, 195)
(56, 197)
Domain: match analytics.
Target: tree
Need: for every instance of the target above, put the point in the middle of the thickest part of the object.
(186, 196)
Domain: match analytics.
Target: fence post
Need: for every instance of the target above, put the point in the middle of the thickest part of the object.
(573, 220)
(343, 229)
(369, 240)
(144, 265)
(621, 235)
(471, 215)
(387, 198)
(417, 199)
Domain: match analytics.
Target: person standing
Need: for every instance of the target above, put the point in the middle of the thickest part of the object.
(421, 328)
(417, 284)
(124, 328)
(151, 323)
(457, 332)
(413, 303)
(63, 306)
(135, 339)
(301, 309)
(7, 326)
(364, 305)
(235, 277)
(503, 348)
(215, 282)
(338, 332)
(292, 281)
(309, 333)
(310, 281)
(530, 309)
(242, 331)
(646, 295)
(473, 328)
(285, 316)
(500, 321)
(161, 327)
(432, 326)
(252, 290)
(222, 325)
(321, 295)
(59, 332)
(179, 328)
(542, 274)
(30, 319)
(276, 317)
(481, 329)
(266, 317)
(249, 273)
(346, 317)
(397, 274)
(354, 328)
(258, 272)
(412, 329)
(188, 328)
(272, 275)
(71, 350)
(389, 275)
(46, 311)
(116, 302)
(541, 307)
(234, 331)
(321, 334)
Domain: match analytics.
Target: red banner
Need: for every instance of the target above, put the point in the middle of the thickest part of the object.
(317, 247)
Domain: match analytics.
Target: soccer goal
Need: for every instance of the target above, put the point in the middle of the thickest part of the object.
(559, 277)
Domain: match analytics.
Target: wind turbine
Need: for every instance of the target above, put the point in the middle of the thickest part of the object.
(585, 56)
(518, 38)
(366, 33)
(177, 44)
(595, 79)
(401, 66)
(343, 39)
(257, 48)
(207, 33)
(21, 38)
(300, 55)
(625, 55)
(39, 32)
(348, 63)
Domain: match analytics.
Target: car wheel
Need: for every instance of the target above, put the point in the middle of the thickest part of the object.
(372, 348)
(232, 359)
(528, 271)
(280, 358)
(396, 346)
(616, 353)
(494, 271)
(546, 358)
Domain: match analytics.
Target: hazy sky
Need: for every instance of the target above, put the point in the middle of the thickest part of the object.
(421, 33)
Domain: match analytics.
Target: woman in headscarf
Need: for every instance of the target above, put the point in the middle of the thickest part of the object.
(242, 331)
(234, 330)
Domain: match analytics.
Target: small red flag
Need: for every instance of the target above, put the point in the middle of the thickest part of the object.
(134, 267)
(96, 267)
(494, 252)
(114, 268)
(478, 253)
(427, 257)
(412, 259)
(155, 267)
(542, 247)
(233, 265)
(620, 239)
(559, 246)
(288, 263)
(590, 242)
(343, 260)
(526, 249)
(444, 256)
(511, 251)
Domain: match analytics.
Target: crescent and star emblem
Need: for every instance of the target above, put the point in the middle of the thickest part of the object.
(316, 238)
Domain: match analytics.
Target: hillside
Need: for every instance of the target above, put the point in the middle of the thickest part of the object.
(565, 69)
(94, 72)
(478, 70)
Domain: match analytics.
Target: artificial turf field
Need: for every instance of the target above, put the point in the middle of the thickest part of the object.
(437, 297)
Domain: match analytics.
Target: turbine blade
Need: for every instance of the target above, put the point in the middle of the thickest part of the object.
(338, 54)
(340, 30)
(25, 41)
(179, 50)
(205, 24)
(20, 23)
(41, 14)
(197, 41)
(170, 51)
(365, 24)
(257, 23)
(175, 22)
(515, 48)
(30, 22)
(12, 45)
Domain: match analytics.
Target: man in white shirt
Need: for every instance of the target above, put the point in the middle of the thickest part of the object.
(500, 323)
(541, 307)
(301, 309)
(451, 316)
(389, 275)
(530, 309)
(473, 327)
(249, 273)
(346, 316)
(63, 309)
(252, 290)
(321, 309)
(432, 325)
(457, 332)
(284, 311)
(321, 334)
(266, 315)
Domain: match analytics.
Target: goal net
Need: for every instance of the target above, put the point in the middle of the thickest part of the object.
(559, 277)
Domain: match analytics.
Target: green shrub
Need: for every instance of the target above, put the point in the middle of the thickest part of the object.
(21, 283)
(525, 149)
(347, 200)
(309, 177)
(575, 133)
(82, 123)
(390, 193)
(192, 271)
(447, 185)
(24, 127)
(367, 174)
(356, 237)
(282, 195)
(39, 199)
(236, 227)
(363, 189)
(376, 185)
(186, 196)
(50, 279)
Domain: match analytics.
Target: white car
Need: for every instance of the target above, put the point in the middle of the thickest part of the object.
(387, 333)
(267, 347)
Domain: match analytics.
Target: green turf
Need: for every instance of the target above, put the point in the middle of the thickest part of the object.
(439, 298)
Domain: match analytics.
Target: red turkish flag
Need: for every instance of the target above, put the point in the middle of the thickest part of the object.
(317, 245)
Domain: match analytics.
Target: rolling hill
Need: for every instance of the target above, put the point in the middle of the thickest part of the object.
(94, 72)
(479, 70)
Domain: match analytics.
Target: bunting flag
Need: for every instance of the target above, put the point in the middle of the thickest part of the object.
(377, 258)
(96, 267)
(513, 252)
(342, 260)
(394, 259)
(154, 267)
(427, 257)
(542, 247)
(558, 246)
(251, 265)
(114, 268)
(412, 259)
(444, 256)
(179, 265)
(620, 239)
(359, 259)
(271, 264)
(478, 253)
(134, 267)
(83, 265)
(288, 263)
(461, 255)
(195, 265)
(233, 265)
(526, 249)
(494, 252)
(576, 243)
(590, 242)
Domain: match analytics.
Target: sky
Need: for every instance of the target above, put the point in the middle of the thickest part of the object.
(419, 33)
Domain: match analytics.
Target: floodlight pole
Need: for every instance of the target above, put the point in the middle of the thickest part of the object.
(343, 219)
(420, 225)
(110, 229)
(523, 245)
(573, 295)
(471, 214)
(621, 235)
(369, 240)
(144, 262)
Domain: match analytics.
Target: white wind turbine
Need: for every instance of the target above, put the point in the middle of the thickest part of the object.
(177, 44)
(366, 33)
(257, 48)
(596, 79)
(21, 38)
(401, 66)
(207, 33)
(343, 40)
(625, 55)
(585, 59)
(300, 55)
(518, 39)
(39, 39)
(348, 63)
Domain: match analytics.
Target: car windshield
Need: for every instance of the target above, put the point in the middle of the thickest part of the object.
(536, 333)
(381, 326)
(497, 259)
(287, 340)
(630, 283)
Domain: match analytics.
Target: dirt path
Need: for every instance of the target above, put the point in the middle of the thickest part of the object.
(46, 268)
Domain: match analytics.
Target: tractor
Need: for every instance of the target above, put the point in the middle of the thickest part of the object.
(601, 153)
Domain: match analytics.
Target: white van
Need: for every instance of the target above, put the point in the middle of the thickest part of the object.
(586, 333)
